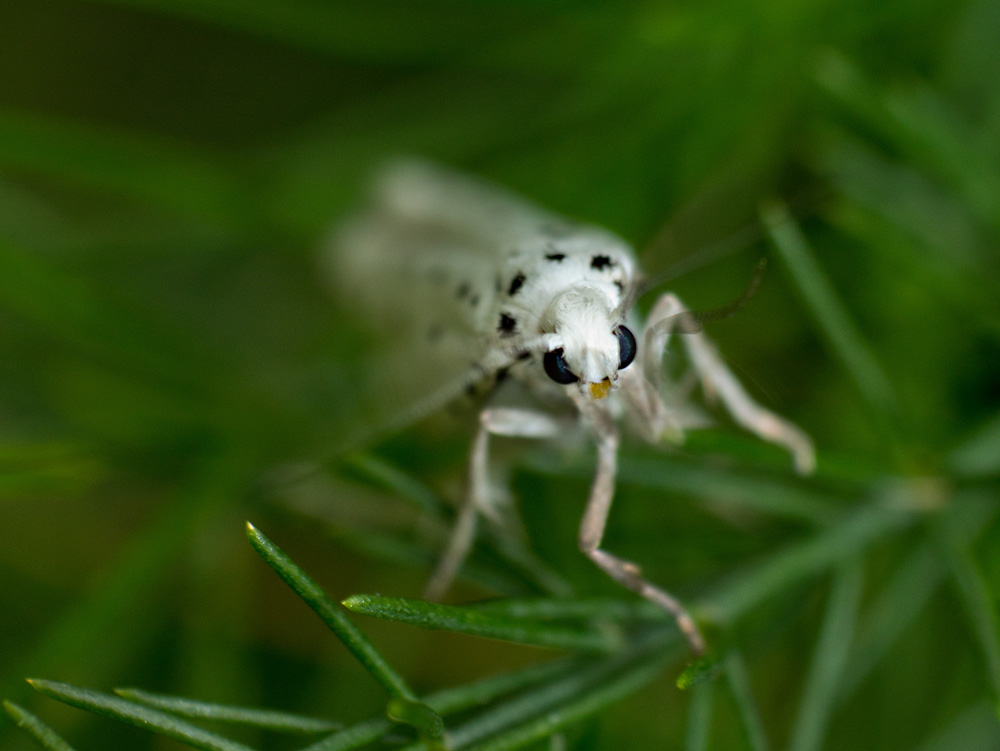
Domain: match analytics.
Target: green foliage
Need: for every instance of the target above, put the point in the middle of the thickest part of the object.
(173, 364)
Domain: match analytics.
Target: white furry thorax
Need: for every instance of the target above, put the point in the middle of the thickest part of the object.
(564, 291)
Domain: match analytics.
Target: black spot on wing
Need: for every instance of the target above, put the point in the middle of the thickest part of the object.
(463, 290)
(508, 325)
(516, 283)
(474, 300)
(601, 262)
(555, 257)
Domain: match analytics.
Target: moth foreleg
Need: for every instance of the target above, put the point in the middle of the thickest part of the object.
(669, 313)
(591, 534)
(520, 423)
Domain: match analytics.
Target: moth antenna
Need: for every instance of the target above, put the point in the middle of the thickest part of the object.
(692, 321)
(729, 245)
(717, 314)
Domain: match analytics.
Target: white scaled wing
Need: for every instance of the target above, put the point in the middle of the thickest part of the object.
(420, 266)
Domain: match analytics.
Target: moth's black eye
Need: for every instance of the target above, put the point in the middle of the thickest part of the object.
(626, 346)
(556, 368)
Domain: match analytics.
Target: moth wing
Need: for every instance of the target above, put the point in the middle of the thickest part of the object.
(418, 266)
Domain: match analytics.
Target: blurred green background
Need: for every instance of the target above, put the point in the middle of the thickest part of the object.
(172, 361)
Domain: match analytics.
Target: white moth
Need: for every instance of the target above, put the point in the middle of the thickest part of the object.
(488, 285)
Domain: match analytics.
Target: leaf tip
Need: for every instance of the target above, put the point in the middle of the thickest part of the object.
(703, 669)
(354, 602)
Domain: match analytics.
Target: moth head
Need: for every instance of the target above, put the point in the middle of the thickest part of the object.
(595, 344)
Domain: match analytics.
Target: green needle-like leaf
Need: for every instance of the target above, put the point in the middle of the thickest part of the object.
(979, 606)
(582, 705)
(164, 175)
(267, 719)
(825, 306)
(699, 717)
(329, 612)
(557, 609)
(739, 686)
(869, 523)
(46, 736)
(452, 700)
(475, 622)
(134, 714)
(829, 660)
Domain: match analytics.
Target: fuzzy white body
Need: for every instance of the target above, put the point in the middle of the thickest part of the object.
(486, 285)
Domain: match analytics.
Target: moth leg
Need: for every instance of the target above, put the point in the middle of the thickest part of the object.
(591, 534)
(669, 313)
(520, 423)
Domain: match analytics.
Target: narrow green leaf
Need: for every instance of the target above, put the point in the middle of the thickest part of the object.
(739, 687)
(979, 455)
(699, 723)
(353, 737)
(975, 597)
(551, 697)
(267, 719)
(778, 498)
(909, 590)
(829, 659)
(928, 130)
(826, 307)
(389, 547)
(974, 728)
(555, 609)
(486, 690)
(329, 612)
(134, 714)
(46, 736)
(106, 618)
(531, 566)
(47, 468)
(584, 704)
(904, 597)
(871, 522)
(452, 700)
(381, 472)
(475, 622)
(765, 495)
(162, 174)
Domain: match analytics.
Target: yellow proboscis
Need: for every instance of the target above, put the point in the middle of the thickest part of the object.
(600, 390)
